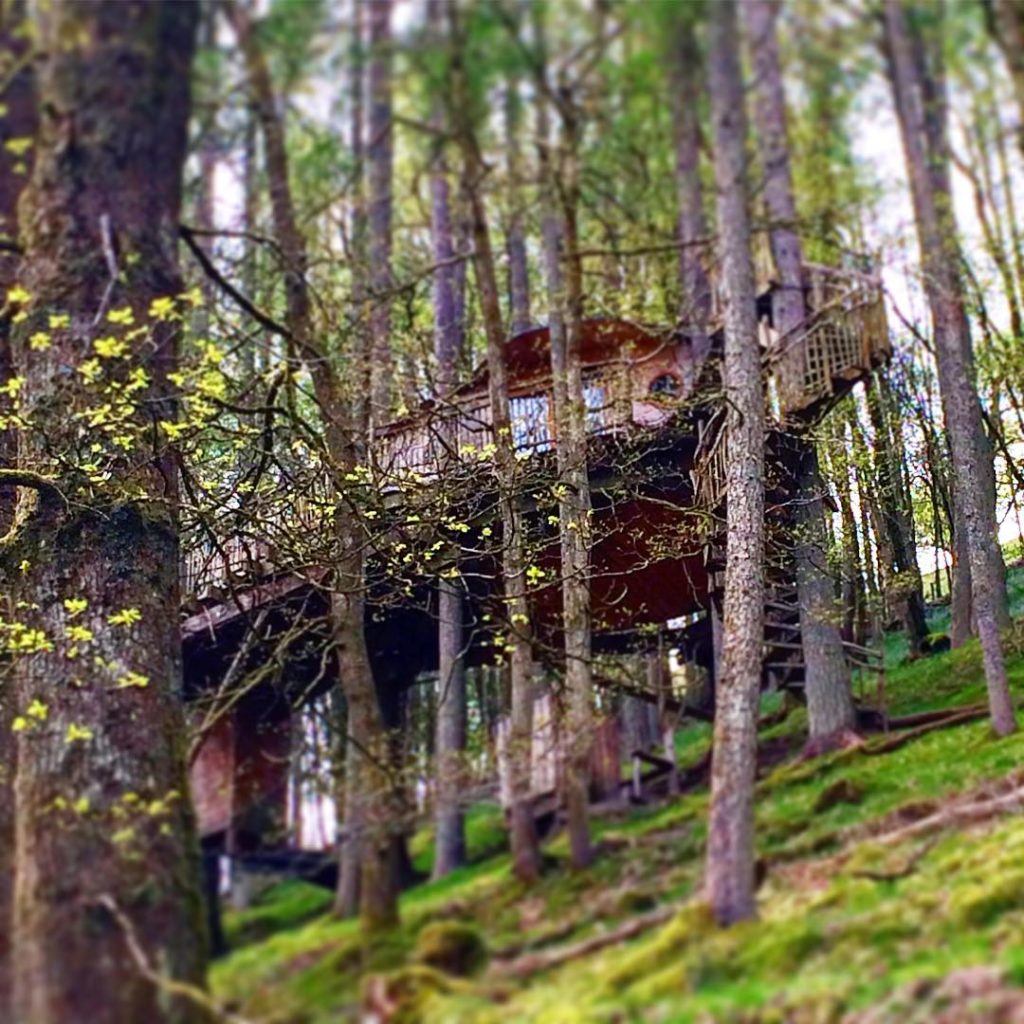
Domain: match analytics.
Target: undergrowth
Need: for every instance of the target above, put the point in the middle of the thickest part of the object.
(844, 921)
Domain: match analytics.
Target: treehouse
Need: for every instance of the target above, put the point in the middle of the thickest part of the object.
(657, 456)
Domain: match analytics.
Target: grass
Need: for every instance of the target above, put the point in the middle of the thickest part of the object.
(829, 940)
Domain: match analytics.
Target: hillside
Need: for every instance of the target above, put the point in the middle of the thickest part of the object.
(892, 872)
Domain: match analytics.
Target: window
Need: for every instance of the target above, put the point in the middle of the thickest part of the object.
(665, 387)
(531, 423)
(596, 403)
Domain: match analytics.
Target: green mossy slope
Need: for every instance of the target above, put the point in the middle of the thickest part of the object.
(847, 921)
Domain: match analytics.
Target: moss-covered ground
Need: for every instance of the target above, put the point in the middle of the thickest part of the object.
(851, 918)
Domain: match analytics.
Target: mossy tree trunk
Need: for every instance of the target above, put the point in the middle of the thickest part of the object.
(20, 122)
(105, 848)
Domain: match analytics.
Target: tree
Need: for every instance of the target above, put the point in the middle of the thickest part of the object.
(450, 839)
(561, 164)
(19, 123)
(1005, 20)
(923, 132)
(730, 851)
(369, 785)
(685, 81)
(525, 849)
(379, 160)
(830, 709)
(105, 858)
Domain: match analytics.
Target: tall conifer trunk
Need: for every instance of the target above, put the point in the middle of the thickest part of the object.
(829, 701)
(379, 164)
(450, 838)
(525, 848)
(370, 797)
(94, 555)
(730, 851)
(685, 80)
(927, 167)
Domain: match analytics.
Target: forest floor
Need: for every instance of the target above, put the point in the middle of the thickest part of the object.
(893, 891)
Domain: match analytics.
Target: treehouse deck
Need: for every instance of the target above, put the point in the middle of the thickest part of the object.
(658, 456)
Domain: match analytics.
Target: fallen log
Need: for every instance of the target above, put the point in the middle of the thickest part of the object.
(955, 717)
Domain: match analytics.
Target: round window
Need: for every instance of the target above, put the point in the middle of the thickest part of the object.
(665, 386)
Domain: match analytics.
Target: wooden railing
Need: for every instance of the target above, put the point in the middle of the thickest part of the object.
(461, 432)
(843, 339)
(216, 558)
(711, 464)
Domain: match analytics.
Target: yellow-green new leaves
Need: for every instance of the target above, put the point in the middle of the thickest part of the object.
(77, 733)
(125, 617)
(132, 679)
(36, 712)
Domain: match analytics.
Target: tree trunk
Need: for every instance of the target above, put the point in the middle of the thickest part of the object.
(379, 158)
(102, 733)
(895, 515)
(730, 850)
(370, 798)
(693, 278)
(1005, 20)
(20, 122)
(937, 237)
(525, 849)
(450, 840)
(829, 702)
(515, 238)
(565, 310)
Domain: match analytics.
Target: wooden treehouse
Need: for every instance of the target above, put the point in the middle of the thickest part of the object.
(657, 457)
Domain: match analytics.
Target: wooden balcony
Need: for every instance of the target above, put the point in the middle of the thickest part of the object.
(459, 434)
(845, 337)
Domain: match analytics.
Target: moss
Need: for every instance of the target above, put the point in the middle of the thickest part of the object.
(842, 791)
(282, 906)
(634, 901)
(403, 996)
(989, 898)
(450, 946)
(829, 944)
(691, 925)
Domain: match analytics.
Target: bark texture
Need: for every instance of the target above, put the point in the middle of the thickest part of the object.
(380, 160)
(370, 793)
(525, 849)
(450, 838)
(686, 83)
(937, 237)
(105, 847)
(561, 166)
(829, 701)
(20, 122)
(730, 851)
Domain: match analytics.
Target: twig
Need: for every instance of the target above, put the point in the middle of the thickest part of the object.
(35, 481)
(107, 241)
(229, 289)
(173, 986)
